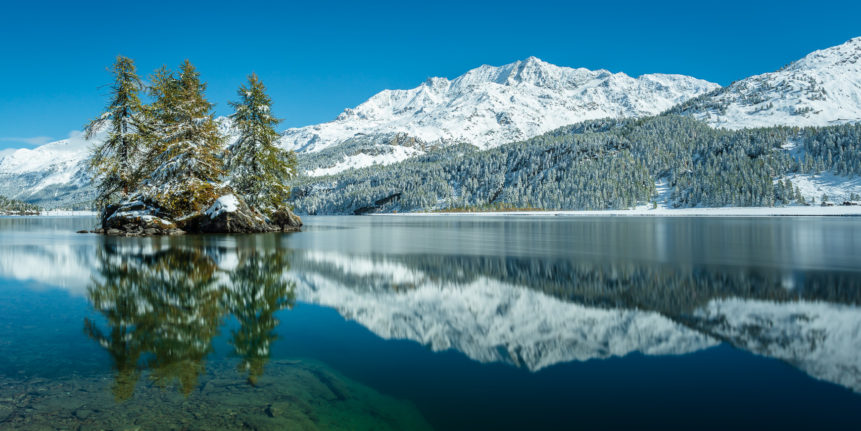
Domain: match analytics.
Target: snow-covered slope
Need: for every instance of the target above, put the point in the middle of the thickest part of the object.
(42, 174)
(489, 105)
(820, 89)
(54, 175)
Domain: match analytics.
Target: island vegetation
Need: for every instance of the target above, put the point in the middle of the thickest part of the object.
(162, 168)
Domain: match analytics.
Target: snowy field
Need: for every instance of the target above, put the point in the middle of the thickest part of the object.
(67, 213)
(680, 212)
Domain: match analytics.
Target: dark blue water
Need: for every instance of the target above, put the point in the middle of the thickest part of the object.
(442, 322)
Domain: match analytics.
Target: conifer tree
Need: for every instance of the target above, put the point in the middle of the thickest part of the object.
(257, 167)
(115, 162)
(184, 144)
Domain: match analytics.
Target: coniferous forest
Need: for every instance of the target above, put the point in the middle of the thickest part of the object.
(595, 165)
(16, 207)
(163, 166)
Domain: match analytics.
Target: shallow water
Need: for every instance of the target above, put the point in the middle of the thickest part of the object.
(435, 322)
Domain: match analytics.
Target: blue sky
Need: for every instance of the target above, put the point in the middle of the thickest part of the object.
(319, 57)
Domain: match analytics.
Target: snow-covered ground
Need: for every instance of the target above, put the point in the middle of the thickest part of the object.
(821, 89)
(838, 188)
(68, 213)
(362, 160)
(837, 210)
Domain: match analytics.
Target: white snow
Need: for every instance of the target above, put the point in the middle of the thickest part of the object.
(361, 160)
(821, 89)
(838, 188)
(491, 106)
(794, 210)
(67, 213)
(224, 204)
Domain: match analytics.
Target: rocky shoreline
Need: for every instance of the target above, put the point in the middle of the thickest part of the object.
(228, 214)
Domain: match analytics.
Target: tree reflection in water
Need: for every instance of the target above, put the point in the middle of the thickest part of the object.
(164, 305)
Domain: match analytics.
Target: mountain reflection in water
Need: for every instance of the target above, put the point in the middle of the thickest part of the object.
(529, 316)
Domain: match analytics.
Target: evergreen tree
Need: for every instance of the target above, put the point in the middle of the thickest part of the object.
(184, 144)
(257, 167)
(114, 163)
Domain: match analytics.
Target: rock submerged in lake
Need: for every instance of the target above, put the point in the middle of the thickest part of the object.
(228, 214)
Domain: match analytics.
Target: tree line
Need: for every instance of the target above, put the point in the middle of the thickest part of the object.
(170, 154)
(600, 164)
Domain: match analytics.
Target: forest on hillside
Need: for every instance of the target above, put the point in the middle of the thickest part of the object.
(594, 165)
(16, 207)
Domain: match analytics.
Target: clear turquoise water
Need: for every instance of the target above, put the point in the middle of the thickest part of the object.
(435, 322)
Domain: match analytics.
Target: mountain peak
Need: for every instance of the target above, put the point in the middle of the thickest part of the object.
(843, 55)
(492, 105)
(820, 89)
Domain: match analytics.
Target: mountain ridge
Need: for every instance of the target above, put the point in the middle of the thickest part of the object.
(493, 105)
(820, 89)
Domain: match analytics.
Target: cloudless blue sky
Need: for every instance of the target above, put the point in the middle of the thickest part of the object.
(319, 57)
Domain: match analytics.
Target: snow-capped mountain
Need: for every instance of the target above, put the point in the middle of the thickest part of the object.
(51, 172)
(55, 175)
(821, 89)
(489, 105)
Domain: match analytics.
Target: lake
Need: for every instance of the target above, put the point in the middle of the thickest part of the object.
(437, 322)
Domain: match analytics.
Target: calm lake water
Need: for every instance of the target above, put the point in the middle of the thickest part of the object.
(435, 323)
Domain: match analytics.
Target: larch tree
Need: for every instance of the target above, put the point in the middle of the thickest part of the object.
(185, 144)
(257, 167)
(115, 162)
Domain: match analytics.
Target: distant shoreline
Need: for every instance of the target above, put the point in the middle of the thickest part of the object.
(791, 211)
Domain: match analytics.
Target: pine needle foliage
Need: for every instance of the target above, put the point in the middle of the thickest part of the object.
(115, 162)
(257, 167)
(184, 143)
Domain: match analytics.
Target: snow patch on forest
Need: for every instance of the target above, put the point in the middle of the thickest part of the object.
(838, 188)
(362, 160)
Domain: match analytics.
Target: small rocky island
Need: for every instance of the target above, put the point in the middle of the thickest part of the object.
(162, 168)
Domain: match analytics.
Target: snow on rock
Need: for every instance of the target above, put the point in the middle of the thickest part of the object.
(490, 106)
(224, 204)
(823, 88)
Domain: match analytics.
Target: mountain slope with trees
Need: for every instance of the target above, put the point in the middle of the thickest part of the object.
(603, 164)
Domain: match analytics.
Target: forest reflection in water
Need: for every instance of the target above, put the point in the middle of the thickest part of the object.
(454, 321)
(163, 306)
